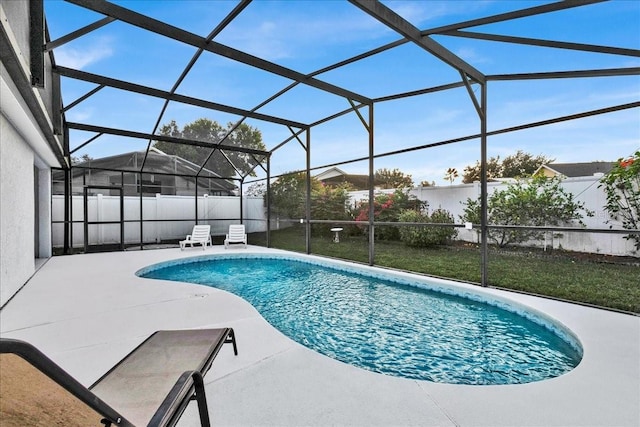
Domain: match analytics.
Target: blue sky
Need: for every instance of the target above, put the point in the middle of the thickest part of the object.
(309, 35)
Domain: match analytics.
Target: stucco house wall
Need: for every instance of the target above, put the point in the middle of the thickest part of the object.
(17, 209)
(28, 150)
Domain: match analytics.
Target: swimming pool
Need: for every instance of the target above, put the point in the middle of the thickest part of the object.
(392, 324)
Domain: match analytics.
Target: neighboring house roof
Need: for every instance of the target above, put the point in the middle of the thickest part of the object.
(572, 170)
(156, 162)
(330, 173)
(335, 176)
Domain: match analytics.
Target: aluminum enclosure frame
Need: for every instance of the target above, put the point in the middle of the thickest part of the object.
(469, 76)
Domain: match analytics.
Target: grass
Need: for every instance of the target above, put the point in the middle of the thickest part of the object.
(568, 276)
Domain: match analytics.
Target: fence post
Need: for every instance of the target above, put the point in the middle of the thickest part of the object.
(100, 215)
(205, 207)
(158, 225)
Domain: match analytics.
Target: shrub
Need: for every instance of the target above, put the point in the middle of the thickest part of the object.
(444, 234)
(288, 194)
(539, 201)
(328, 202)
(473, 214)
(622, 188)
(387, 208)
(425, 236)
(288, 198)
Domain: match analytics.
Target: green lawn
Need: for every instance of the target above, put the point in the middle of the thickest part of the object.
(558, 274)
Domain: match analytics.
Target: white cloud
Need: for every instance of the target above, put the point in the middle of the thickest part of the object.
(422, 13)
(79, 58)
(411, 11)
(80, 115)
(471, 55)
(276, 35)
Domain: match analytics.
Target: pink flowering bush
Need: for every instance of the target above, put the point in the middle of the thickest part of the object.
(387, 208)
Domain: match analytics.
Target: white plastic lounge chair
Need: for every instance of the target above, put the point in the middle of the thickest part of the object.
(152, 386)
(236, 235)
(201, 235)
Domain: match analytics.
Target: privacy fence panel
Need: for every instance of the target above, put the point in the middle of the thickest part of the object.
(165, 218)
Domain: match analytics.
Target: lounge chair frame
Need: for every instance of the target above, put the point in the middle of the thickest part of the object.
(47, 366)
(188, 386)
(200, 235)
(236, 235)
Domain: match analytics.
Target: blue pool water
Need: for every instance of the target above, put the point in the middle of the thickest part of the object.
(393, 328)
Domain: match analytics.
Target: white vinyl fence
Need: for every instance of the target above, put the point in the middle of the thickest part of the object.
(221, 211)
(167, 217)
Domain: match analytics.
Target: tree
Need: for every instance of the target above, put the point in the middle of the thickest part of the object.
(288, 198)
(622, 189)
(538, 201)
(386, 178)
(518, 165)
(472, 173)
(288, 194)
(84, 158)
(205, 130)
(451, 175)
(328, 203)
(522, 165)
(257, 189)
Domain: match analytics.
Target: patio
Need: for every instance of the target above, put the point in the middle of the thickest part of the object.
(86, 313)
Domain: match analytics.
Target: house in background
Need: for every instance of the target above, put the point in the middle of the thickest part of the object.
(163, 174)
(574, 170)
(335, 176)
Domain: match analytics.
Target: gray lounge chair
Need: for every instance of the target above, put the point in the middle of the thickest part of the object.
(152, 385)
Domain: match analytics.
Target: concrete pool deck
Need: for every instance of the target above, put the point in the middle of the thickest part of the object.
(87, 311)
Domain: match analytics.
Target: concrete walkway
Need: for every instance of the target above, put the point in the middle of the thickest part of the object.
(87, 311)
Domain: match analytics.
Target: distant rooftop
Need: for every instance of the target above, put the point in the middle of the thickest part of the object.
(572, 170)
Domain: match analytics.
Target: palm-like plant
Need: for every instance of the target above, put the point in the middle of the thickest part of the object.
(451, 175)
